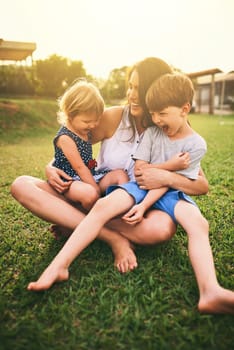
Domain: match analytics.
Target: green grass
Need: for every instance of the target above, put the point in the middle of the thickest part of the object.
(153, 307)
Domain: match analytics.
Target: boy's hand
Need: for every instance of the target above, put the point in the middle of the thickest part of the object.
(179, 161)
(134, 215)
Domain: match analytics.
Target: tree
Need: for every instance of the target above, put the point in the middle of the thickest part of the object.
(115, 87)
(51, 73)
(75, 70)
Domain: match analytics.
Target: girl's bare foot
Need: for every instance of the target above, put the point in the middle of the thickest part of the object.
(219, 302)
(125, 258)
(49, 277)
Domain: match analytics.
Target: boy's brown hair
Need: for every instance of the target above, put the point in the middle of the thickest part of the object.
(169, 90)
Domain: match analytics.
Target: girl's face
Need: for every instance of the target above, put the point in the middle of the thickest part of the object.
(83, 123)
(133, 95)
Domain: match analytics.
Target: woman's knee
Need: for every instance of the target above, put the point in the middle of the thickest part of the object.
(158, 227)
(18, 186)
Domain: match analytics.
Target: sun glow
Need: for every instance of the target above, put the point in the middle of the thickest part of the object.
(106, 34)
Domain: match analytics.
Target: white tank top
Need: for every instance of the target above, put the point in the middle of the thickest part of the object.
(117, 151)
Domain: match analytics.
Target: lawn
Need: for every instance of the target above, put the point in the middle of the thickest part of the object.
(153, 307)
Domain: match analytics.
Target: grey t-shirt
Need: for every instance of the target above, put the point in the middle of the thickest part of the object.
(156, 147)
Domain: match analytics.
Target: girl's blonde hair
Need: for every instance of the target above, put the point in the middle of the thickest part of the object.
(81, 97)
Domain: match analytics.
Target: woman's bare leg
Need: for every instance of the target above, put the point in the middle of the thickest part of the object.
(213, 297)
(38, 197)
(156, 227)
(116, 203)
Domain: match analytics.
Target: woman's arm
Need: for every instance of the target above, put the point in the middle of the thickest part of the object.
(150, 178)
(109, 122)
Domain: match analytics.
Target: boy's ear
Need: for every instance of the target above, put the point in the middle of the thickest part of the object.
(186, 108)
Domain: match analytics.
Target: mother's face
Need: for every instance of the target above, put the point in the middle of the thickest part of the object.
(133, 95)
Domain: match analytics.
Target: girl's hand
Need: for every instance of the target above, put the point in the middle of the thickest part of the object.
(134, 215)
(55, 178)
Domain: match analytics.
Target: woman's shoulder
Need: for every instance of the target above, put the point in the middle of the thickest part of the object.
(109, 122)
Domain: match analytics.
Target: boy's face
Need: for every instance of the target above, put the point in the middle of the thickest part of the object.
(171, 120)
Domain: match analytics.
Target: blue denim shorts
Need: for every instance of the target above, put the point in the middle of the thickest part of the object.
(166, 203)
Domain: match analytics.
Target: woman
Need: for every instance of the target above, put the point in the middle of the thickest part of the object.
(120, 131)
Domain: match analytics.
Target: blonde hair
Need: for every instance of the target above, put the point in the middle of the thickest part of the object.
(80, 98)
(169, 90)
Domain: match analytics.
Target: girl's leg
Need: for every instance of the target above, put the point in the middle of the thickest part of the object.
(213, 298)
(38, 197)
(83, 193)
(114, 177)
(104, 209)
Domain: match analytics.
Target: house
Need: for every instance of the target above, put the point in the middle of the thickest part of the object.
(15, 50)
(214, 91)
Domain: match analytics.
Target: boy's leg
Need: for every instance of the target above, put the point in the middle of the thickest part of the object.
(116, 203)
(213, 298)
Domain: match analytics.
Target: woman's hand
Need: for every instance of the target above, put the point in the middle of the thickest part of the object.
(55, 178)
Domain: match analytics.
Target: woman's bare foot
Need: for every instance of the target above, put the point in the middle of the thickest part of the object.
(125, 258)
(60, 232)
(219, 302)
(49, 276)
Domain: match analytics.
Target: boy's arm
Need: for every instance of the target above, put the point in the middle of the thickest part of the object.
(179, 161)
(136, 213)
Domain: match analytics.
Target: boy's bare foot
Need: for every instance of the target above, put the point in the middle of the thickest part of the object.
(220, 302)
(125, 258)
(49, 277)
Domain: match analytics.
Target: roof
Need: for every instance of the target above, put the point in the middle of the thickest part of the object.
(204, 72)
(15, 50)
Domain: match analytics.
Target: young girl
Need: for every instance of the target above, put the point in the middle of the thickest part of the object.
(81, 108)
(169, 100)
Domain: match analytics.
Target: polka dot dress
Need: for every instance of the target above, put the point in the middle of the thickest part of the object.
(85, 150)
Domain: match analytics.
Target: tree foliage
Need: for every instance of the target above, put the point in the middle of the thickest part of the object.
(51, 76)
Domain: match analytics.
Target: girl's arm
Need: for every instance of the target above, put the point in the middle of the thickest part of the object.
(70, 151)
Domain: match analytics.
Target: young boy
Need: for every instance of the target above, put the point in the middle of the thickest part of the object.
(169, 100)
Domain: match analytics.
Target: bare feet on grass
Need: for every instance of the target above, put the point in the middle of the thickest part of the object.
(125, 258)
(49, 277)
(60, 232)
(219, 302)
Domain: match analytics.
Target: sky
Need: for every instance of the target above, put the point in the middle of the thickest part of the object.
(192, 35)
